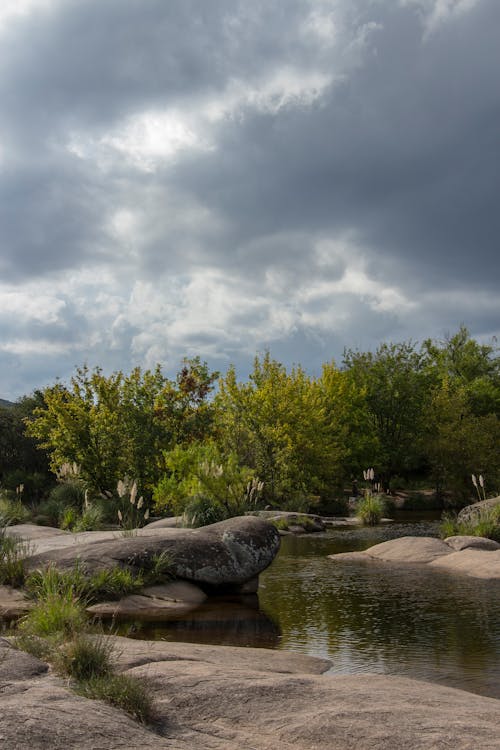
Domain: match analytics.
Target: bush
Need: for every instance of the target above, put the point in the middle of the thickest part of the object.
(12, 510)
(370, 509)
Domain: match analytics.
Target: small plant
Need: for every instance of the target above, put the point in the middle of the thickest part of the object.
(92, 518)
(123, 691)
(60, 615)
(130, 513)
(85, 658)
(12, 553)
(112, 583)
(479, 487)
(13, 511)
(160, 569)
(485, 524)
(370, 509)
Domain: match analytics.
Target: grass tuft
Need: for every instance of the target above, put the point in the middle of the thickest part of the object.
(122, 691)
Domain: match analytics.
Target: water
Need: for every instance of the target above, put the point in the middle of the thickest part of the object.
(410, 621)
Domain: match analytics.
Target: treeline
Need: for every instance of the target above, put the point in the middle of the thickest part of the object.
(427, 413)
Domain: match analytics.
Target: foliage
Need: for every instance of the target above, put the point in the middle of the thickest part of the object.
(85, 657)
(370, 509)
(458, 441)
(396, 380)
(486, 524)
(206, 485)
(117, 425)
(130, 511)
(279, 425)
(76, 583)
(12, 510)
(60, 614)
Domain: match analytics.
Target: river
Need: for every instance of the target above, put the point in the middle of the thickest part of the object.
(415, 622)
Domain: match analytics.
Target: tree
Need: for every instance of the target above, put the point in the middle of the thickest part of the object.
(459, 443)
(118, 425)
(397, 384)
(278, 426)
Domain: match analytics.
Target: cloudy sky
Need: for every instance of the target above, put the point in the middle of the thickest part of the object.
(218, 177)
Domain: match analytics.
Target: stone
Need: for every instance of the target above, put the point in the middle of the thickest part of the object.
(225, 698)
(160, 602)
(13, 602)
(474, 511)
(471, 542)
(224, 555)
(479, 558)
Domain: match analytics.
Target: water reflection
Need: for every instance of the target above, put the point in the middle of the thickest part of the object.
(411, 621)
(416, 622)
(224, 621)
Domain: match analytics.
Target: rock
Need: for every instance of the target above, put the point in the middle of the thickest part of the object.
(154, 603)
(294, 523)
(225, 698)
(478, 563)
(174, 522)
(474, 511)
(13, 602)
(223, 555)
(471, 542)
(479, 559)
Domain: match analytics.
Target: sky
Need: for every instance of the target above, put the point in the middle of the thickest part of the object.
(224, 177)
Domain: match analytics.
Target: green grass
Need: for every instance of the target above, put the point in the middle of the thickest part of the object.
(370, 509)
(122, 691)
(61, 614)
(487, 525)
(12, 553)
(112, 583)
(85, 657)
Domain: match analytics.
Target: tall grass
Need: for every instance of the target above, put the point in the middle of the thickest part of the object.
(485, 524)
(12, 553)
(370, 509)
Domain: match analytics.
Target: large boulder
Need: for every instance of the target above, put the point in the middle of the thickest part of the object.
(476, 510)
(223, 555)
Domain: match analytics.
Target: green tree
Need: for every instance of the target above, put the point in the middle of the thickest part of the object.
(397, 384)
(118, 425)
(278, 425)
(459, 443)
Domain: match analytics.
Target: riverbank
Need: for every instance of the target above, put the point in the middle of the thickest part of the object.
(225, 698)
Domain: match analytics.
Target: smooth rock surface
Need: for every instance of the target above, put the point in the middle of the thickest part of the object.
(218, 698)
(478, 559)
(13, 602)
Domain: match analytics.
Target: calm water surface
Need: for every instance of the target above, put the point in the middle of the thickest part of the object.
(427, 625)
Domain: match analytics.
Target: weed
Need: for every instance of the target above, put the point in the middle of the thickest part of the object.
(370, 509)
(85, 657)
(122, 691)
(12, 553)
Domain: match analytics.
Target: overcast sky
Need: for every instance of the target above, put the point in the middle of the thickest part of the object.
(218, 177)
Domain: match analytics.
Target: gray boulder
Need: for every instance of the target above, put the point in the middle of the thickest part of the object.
(223, 555)
(474, 511)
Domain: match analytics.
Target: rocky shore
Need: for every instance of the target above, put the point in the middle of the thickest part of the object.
(226, 698)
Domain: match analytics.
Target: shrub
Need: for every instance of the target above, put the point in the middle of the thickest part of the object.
(92, 519)
(110, 583)
(12, 510)
(123, 691)
(370, 509)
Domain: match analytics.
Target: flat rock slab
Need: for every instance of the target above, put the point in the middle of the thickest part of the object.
(221, 698)
(224, 554)
(162, 602)
(472, 556)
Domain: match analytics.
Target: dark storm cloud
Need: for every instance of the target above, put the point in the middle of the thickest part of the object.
(331, 178)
